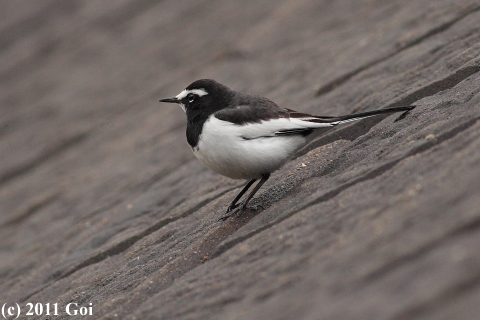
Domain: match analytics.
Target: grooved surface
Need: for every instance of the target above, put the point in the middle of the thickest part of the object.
(102, 201)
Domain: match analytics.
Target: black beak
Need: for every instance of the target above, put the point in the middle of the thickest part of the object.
(170, 100)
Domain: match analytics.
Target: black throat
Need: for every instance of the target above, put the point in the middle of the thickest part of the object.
(195, 124)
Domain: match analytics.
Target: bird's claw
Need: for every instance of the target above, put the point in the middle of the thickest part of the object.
(231, 210)
(236, 210)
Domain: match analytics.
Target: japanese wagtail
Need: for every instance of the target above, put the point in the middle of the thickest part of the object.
(245, 136)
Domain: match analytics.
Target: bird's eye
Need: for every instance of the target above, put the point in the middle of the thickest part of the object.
(191, 97)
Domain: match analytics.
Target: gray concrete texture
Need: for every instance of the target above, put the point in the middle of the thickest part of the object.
(103, 202)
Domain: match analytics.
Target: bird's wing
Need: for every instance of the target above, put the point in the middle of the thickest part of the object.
(268, 120)
(253, 110)
(264, 118)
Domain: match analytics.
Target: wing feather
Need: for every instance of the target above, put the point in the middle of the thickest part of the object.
(268, 120)
(263, 118)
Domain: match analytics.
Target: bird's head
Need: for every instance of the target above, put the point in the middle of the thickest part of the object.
(205, 96)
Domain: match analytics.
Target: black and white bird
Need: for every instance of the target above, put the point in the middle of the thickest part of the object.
(245, 136)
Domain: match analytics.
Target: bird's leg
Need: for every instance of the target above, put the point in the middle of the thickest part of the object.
(233, 205)
(258, 186)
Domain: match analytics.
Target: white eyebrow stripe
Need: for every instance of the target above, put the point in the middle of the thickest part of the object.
(198, 92)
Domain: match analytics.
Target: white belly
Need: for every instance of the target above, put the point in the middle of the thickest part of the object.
(223, 148)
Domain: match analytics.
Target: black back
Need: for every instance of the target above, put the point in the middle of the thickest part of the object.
(248, 108)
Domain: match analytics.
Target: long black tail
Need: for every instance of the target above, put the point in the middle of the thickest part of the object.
(363, 115)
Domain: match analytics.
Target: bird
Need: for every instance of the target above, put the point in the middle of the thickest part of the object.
(248, 137)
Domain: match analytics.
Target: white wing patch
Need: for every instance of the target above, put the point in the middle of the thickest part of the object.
(267, 128)
(311, 125)
(198, 92)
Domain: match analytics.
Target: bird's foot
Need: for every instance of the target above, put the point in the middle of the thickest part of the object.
(253, 208)
(237, 210)
(231, 210)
